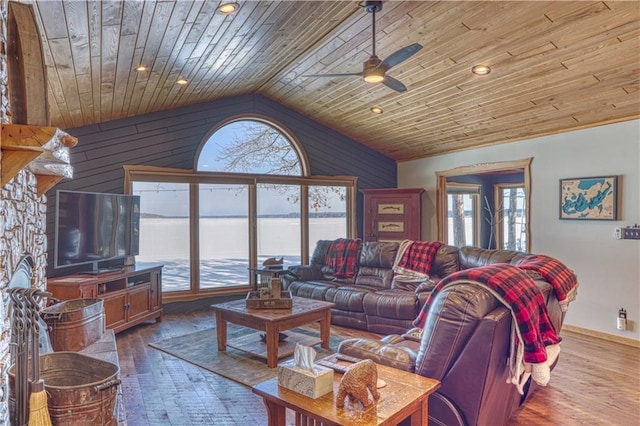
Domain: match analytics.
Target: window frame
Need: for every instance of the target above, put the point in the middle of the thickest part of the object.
(523, 165)
(160, 174)
(263, 119)
(498, 191)
(473, 190)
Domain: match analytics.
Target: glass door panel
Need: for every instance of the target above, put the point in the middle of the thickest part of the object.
(327, 214)
(513, 233)
(164, 231)
(223, 235)
(463, 219)
(279, 231)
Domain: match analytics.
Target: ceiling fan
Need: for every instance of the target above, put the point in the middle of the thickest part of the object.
(374, 70)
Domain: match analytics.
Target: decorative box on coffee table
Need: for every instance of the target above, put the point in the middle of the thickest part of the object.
(270, 297)
(255, 301)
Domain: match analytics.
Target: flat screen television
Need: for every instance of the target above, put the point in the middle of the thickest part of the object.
(95, 227)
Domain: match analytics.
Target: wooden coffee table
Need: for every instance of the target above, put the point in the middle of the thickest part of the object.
(272, 322)
(404, 395)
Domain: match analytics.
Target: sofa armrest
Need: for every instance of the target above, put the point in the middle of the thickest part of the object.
(385, 353)
(305, 273)
(426, 286)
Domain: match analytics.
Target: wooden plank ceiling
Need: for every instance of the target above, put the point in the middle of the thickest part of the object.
(556, 65)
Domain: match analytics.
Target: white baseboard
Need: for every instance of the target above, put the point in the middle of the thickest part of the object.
(600, 335)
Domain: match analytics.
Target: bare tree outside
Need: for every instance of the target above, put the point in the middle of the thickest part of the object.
(260, 148)
(511, 215)
(459, 234)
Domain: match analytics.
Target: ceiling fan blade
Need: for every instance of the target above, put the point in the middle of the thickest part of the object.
(394, 84)
(401, 55)
(359, 74)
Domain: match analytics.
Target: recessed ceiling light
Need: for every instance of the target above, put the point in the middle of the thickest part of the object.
(182, 81)
(227, 8)
(481, 69)
(376, 110)
(141, 68)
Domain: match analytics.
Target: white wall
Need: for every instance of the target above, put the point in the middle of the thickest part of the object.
(608, 270)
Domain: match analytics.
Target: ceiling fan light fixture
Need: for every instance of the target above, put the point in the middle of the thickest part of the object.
(376, 110)
(373, 72)
(481, 69)
(228, 7)
(374, 78)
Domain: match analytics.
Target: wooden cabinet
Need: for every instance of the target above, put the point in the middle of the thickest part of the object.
(130, 296)
(392, 214)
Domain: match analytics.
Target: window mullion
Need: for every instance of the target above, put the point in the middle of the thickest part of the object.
(194, 230)
(304, 224)
(253, 231)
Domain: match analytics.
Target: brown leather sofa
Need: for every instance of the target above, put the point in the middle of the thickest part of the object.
(374, 300)
(465, 343)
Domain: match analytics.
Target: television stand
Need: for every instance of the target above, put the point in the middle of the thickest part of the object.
(131, 295)
(97, 270)
(102, 271)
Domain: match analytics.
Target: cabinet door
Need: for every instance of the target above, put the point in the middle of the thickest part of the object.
(115, 310)
(88, 291)
(393, 216)
(156, 290)
(139, 301)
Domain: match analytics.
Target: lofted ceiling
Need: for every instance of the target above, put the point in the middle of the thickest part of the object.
(556, 65)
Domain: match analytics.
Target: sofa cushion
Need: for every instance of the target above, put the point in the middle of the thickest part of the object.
(396, 304)
(407, 282)
(374, 277)
(320, 252)
(348, 298)
(311, 289)
(445, 262)
(378, 254)
(472, 257)
(394, 355)
(376, 261)
(318, 258)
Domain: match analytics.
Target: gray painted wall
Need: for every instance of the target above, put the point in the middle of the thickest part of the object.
(171, 138)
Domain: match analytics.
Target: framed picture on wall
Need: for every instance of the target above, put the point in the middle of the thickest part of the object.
(589, 198)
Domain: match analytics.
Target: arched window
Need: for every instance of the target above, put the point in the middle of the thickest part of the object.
(249, 197)
(251, 146)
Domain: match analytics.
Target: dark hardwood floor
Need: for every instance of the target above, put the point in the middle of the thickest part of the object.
(595, 383)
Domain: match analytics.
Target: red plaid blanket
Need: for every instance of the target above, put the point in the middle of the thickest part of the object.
(342, 256)
(520, 294)
(561, 278)
(416, 257)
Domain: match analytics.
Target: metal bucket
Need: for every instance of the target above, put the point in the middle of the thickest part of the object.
(81, 389)
(74, 324)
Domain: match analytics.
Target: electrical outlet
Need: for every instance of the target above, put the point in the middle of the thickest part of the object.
(617, 233)
(621, 323)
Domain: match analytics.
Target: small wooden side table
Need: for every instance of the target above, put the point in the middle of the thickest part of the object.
(405, 395)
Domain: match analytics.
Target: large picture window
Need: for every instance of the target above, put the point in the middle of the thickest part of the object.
(247, 199)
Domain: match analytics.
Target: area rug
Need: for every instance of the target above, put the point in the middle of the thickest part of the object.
(201, 348)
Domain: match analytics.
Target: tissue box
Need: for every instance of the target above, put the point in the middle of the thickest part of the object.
(303, 381)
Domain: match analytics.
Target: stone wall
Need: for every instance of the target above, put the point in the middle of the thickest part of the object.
(22, 226)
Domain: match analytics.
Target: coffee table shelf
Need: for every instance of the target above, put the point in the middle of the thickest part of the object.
(253, 344)
(273, 322)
